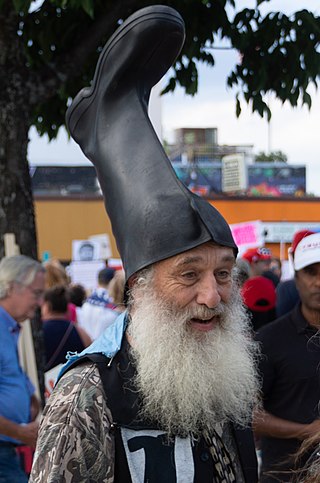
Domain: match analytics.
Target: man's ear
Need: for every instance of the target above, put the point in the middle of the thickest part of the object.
(11, 288)
(132, 281)
(128, 287)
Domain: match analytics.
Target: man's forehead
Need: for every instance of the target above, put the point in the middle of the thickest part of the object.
(312, 266)
(38, 280)
(202, 253)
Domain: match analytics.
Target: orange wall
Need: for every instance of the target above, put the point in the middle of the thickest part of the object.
(59, 221)
(295, 210)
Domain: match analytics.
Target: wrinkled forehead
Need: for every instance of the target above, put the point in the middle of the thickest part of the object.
(207, 253)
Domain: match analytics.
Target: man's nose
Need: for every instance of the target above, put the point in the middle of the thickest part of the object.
(208, 293)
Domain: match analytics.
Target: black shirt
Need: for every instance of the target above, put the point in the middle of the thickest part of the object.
(287, 297)
(291, 381)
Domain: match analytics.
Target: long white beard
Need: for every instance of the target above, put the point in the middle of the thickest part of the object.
(192, 380)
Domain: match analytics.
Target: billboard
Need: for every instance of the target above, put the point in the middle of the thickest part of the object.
(264, 179)
(274, 179)
(201, 178)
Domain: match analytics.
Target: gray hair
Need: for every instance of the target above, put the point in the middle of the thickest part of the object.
(144, 278)
(17, 269)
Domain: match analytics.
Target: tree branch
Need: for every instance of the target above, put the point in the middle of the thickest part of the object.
(45, 82)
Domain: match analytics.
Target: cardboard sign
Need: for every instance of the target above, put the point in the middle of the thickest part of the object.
(248, 234)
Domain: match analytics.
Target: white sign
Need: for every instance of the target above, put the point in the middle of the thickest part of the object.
(104, 242)
(277, 232)
(234, 173)
(86, 250)
(85, 273)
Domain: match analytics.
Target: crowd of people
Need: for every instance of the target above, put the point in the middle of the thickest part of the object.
(25, 286)
(285, 420)
(179, 369)
(285, 318)
(287, 416)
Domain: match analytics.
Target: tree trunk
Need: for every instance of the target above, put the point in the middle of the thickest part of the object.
(17, 209)
(16, 199)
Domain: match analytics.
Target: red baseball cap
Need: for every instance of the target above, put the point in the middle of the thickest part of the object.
(255, 254)
(258, 294)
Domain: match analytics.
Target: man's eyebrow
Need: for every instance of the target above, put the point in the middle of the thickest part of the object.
(228, 258)
(189, 260)
(194, 259)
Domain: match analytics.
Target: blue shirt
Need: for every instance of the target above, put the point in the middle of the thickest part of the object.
(15, 387)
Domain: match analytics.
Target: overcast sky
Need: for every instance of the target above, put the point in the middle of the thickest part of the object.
(293, 131)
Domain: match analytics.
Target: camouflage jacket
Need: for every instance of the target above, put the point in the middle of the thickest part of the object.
(74, 443)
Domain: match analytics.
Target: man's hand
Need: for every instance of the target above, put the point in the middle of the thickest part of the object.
(28, 433)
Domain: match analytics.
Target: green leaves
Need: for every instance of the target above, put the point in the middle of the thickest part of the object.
(21, 5)
(273, 157)
(88, 7)
(306, 98)
(238, 106)
(277, 54)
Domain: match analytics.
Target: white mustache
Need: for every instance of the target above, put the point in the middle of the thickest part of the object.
(204, 313)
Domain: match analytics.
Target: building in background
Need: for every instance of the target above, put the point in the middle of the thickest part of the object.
(198, 161)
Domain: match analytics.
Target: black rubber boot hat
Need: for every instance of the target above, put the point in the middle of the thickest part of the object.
(153, 215)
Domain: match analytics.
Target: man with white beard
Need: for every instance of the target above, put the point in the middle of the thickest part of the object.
(166, 393)
(189, 356)
(183, 349)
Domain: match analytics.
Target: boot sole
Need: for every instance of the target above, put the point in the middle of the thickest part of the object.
(86, 96)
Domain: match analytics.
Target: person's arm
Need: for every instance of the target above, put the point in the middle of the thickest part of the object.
(26, 433)
(74, 442)
(266, 424)
(34, 407)
(85, 339)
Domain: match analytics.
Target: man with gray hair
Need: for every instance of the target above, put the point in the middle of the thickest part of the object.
(21, 291)
(160, 396)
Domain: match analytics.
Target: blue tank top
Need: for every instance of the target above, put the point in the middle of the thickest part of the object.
(54, 331)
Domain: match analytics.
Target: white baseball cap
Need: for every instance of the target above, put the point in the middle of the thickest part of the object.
(307, 251)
